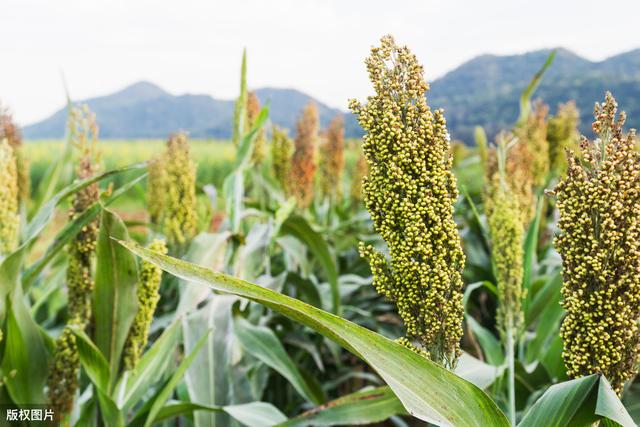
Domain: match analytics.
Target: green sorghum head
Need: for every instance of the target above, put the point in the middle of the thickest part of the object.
(10, 131)
(332, 159)
(180, 222)
(562, 134)
(9, 217)
(304, 162)
(156, 190)
(281, 152)
(148, 296)
(507, 230)
(63, 373)
(410, 193)
(532, 133)
(599, 241)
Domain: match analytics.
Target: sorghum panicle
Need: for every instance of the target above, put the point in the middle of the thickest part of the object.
(532, 134)
(63, 375)
(599, 205)
(148, 297)
(156, 190)
(410, 193)
(9, 217)
(332, 159)
(562, 134)
(180, 222)
(303, 164)
(253, 110)
(281, 152)
(11, 131)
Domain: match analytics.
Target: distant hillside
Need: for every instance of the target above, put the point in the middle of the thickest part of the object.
(483, 91)
(144, 110)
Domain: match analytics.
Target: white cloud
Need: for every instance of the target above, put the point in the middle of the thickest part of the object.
(314, 45)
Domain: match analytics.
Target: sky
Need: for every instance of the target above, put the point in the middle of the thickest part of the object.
(316, 46)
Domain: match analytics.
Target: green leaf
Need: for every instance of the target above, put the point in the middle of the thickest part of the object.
(150, 367)
(418, 382)
(362, 407)
(577, 403)
(531, 248)
(525, 98)
(25, 360)
(95, 365)
(165, 393)
(263, 344)
(299, 228)
(114, 297)
(111, 415)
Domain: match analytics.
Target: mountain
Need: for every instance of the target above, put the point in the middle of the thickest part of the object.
(144, 110)
(486, 90)
(483, 91)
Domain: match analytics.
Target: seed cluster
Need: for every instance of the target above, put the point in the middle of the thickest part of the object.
(533, 135)
(410, 192)
(63, 376)
(599, 204)
(148, 297)
(9, 218)
(562, 134)
(281, 152)
(303, 165)
(332, 160)
(10, 131)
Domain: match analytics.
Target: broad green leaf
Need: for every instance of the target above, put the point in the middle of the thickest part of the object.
(491, 347)
(362, 407)
(577, 403)
(262, 343)
(111, 415)
(531, 247)
(25, 360)
(95, 365)
(299, 228)
(165, 393)
(548, 326)
(114, 296)
(419, 383)
(70, 230)
(477, 372)
(150, 367)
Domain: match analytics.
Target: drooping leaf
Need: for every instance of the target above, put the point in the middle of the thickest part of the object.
(418, 382)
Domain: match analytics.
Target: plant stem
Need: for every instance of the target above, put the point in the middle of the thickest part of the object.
(511, 372)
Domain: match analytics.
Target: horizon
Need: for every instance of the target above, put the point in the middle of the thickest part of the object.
(196, 48)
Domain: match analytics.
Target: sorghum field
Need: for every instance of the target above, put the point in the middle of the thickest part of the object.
(301, 279)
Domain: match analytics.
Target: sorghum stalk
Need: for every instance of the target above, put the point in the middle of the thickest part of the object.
(599, 241)
(63, 377)
(253, 111)
(281, 152)
(562, 134)
(10, 131)
(9, 217)
(303, 164)
(410, 192)
(180, 222)
(148, 297)
(332, 160)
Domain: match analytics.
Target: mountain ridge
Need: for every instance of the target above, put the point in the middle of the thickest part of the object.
(482, 91)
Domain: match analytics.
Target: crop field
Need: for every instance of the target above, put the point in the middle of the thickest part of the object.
(300, 278)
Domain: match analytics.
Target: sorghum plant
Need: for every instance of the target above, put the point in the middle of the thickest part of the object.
(410, 192)
(533, 135)
(148, 296)
(562, 134)
(9, 218)
(253, 110)
(10, 131)
(281, 152)
(156, 190)
(599, 204)
(332, 159)
(359, 173)
(303, 164)
(180, 216)
(63, 377)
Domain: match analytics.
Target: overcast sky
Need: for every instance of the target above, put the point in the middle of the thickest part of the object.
(316, 46)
